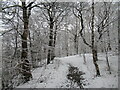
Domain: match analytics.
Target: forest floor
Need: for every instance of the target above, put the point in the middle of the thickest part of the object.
(0, 62)
(56, 74)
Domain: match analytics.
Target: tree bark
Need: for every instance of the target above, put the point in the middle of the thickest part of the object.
(95, 59)
(107, 60)
(24, 55)
(94, 48)
(54, 41)
(84, 58)
(50, 56)
(66, 42)
(108, 34)
(76, 44)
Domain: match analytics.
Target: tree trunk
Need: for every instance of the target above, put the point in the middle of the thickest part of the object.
(101, 45)
(108, 34)
(107, 61)
(76, 44)
(54, 42)
(95, 59)
(76, 37)
(24, 55)
(50, 56)
(94, 48)
(31, 52)
(66, 44)
(77, 49)
(84, 58)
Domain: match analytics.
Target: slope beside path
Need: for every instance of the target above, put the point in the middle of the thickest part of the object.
(55, 74)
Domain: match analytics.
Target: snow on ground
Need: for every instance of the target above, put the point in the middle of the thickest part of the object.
(54, 75)
(0, 61)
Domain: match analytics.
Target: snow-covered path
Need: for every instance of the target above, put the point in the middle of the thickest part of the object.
(55, 75)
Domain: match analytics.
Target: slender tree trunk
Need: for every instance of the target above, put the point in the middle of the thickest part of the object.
(108, 34)
(107, 61)
(54, 42)
(94, 49)
(101, 43)
(66, 43)
(31, 52)
(76, 38)
(76, 44)
(67, 53)
(84, 58)
(95, 59)
(24, 55)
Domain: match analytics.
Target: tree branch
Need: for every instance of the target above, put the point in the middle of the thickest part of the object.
(12, 6)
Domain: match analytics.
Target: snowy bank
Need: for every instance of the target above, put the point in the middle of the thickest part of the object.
(54, 75)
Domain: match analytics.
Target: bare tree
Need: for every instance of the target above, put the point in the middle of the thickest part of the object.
(107, 58)
(26, 13)
(54, 11)
(99, 22)
(92, 45)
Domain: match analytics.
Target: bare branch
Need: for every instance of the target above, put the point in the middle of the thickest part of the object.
(11, 7)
